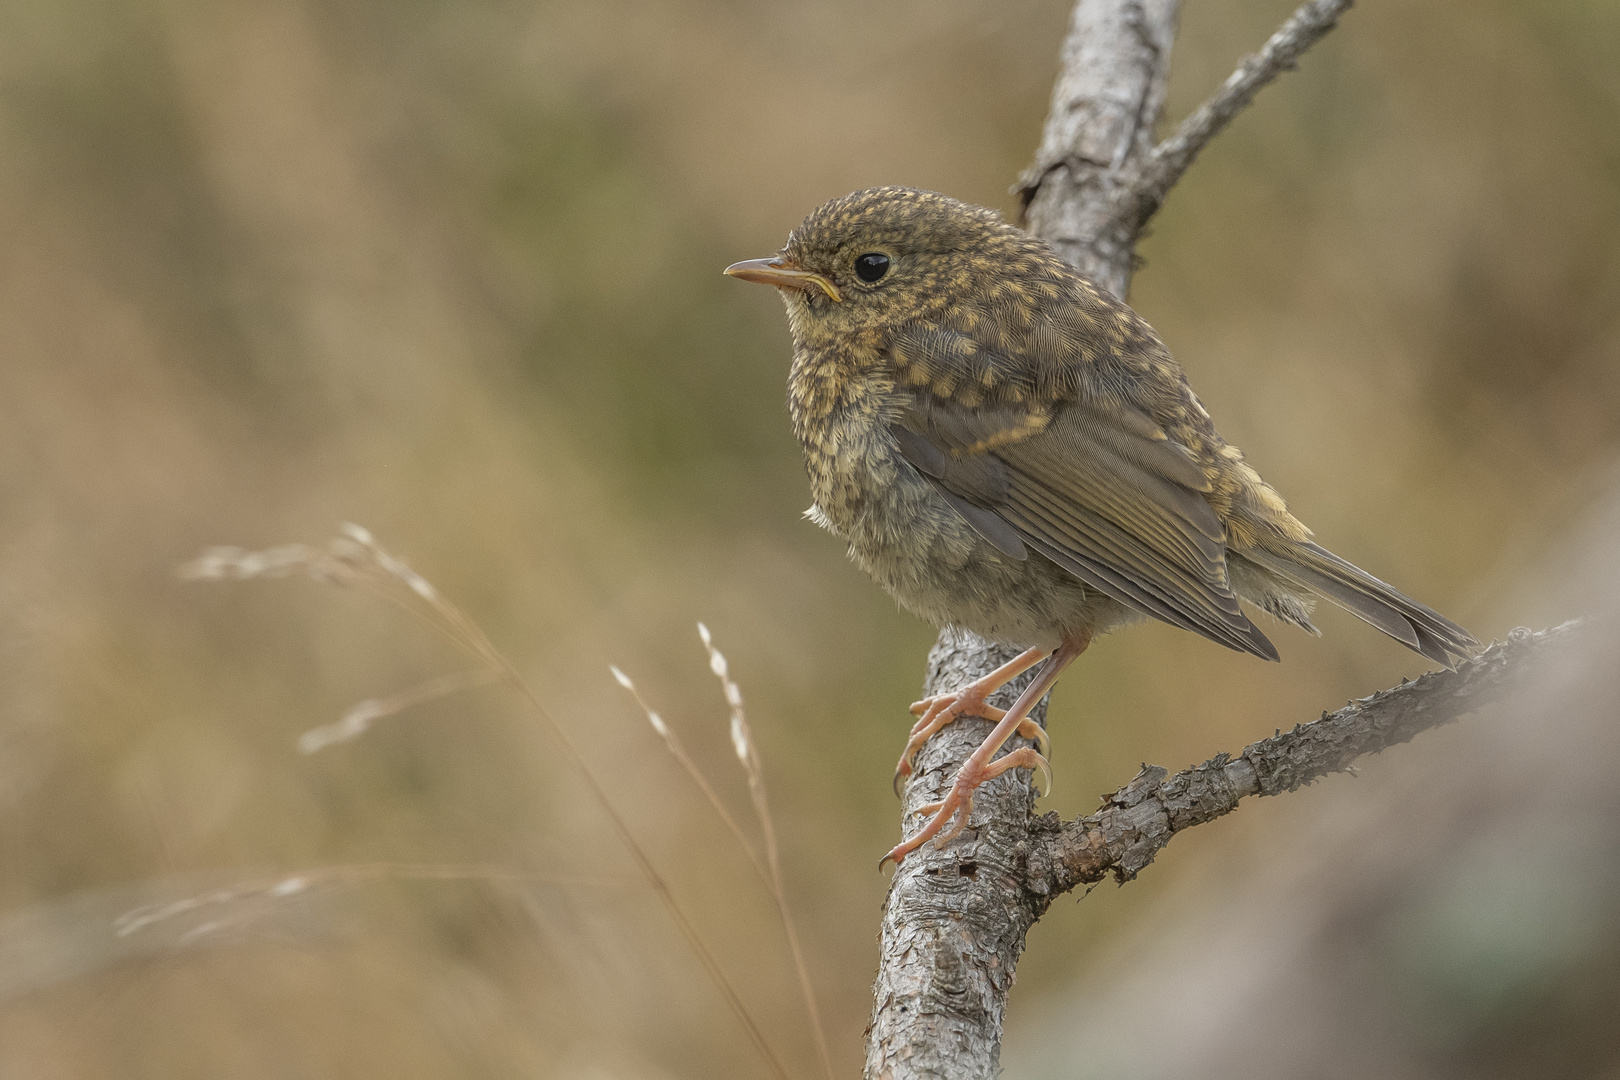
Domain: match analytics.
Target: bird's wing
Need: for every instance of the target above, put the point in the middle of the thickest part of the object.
(1417, 626)
(1102, 492)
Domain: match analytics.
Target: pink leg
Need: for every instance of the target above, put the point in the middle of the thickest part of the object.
(940, 710)
(978, 768)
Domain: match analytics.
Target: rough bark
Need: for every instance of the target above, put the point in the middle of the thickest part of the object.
(955, 920)
(1099, 132)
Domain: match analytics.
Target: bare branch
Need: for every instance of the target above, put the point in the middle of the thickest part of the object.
(1099, 131)
(955, 920)
(1140, 818)
(1147, 190)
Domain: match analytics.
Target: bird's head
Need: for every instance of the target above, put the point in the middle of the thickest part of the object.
(888, 256)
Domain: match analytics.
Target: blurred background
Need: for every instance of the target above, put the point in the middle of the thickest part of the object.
(451, 270)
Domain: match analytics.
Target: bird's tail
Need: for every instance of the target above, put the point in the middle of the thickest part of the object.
(1318, 570)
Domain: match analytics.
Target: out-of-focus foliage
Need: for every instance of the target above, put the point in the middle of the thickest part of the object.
(451, 270)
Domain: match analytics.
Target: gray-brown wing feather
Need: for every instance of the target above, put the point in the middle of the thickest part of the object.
(935, 464)
(1114, 506)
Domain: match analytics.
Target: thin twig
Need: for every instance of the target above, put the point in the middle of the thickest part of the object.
(1146, 190)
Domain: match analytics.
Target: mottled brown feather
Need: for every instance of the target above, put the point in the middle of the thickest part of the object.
(1048, 417)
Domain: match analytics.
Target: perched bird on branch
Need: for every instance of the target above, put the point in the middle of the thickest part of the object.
(1009, 449)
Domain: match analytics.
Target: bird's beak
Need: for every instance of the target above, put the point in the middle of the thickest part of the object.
(784, 275)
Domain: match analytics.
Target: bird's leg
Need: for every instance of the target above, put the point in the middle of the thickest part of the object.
(978, 768)
(934, 713)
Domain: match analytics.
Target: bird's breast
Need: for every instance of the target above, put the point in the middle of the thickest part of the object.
(852, 460)
(863, 489)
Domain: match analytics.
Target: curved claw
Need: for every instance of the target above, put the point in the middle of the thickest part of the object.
(1036, 734)
(959, 802)
(978, 767)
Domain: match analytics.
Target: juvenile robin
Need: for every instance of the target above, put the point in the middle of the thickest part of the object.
(1009, 449)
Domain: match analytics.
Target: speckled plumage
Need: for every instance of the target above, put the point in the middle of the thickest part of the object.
(1007, 448)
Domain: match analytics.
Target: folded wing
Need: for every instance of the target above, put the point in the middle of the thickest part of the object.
(1106, 496)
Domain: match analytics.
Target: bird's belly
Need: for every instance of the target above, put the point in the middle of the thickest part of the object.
(902, 531)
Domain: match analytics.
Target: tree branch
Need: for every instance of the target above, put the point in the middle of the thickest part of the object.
(1146, 191)
(955, 920)
(1099, 131)
(1139, 819)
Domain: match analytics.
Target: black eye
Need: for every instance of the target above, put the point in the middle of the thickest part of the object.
(871, 266)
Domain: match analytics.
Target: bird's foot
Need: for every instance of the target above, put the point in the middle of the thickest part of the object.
(959, 802)
(937, 712)
(942, 710)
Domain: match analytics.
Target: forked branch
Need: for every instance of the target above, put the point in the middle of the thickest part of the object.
(1145, 191)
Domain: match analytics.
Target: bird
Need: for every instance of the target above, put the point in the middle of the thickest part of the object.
(1008, 448)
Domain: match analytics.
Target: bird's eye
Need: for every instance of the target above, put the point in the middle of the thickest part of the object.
(871, 266)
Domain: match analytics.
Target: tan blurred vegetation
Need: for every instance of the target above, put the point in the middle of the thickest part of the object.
(451, 270)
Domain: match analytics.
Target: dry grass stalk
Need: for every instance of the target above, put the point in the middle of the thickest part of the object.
(678, 752)
(355, 558)
(742, 741)
(770, 872)
(298, 882)
(362, 714)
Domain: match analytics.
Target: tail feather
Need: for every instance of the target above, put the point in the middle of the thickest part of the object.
(1419, 628)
